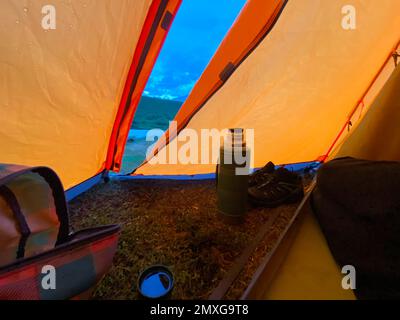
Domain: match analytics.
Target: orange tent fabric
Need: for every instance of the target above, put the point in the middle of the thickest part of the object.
(256, 19)
(298, 86)
(64, 102)
(377, 137)
(286, 69)
(157, 24)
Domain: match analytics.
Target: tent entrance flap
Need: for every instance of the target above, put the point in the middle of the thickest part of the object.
(254, 23)
(297, 87)
(153, 35)
(62, 88)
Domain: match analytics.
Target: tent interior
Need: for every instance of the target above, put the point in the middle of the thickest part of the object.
(312, 91)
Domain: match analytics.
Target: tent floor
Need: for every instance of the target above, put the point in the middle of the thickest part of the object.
(175, 223)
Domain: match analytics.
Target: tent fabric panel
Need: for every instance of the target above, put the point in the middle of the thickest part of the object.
(253, 23)
(155, 30)
(61, 88)
(298, 86)
(357, 114)
(84, 186)
(377, 137)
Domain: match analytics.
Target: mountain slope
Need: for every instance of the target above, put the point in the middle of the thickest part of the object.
(155, 113)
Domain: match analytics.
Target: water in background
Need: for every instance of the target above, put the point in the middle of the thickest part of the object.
(152, 113)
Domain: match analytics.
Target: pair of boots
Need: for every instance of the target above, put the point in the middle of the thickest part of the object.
(270, 187)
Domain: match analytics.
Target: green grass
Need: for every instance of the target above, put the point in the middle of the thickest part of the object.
(165, 222)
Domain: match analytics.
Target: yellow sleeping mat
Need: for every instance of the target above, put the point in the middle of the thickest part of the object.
(309, 270)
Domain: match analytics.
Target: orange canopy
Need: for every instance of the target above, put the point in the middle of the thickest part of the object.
(302, 79)
(287, 69)
(68, 95)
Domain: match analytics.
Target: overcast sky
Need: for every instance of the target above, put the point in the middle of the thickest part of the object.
(195, 34)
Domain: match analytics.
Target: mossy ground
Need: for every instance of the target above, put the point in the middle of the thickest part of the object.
(174, 223)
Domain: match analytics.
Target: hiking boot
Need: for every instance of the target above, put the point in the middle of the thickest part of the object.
(282, 188)
(261, 176)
